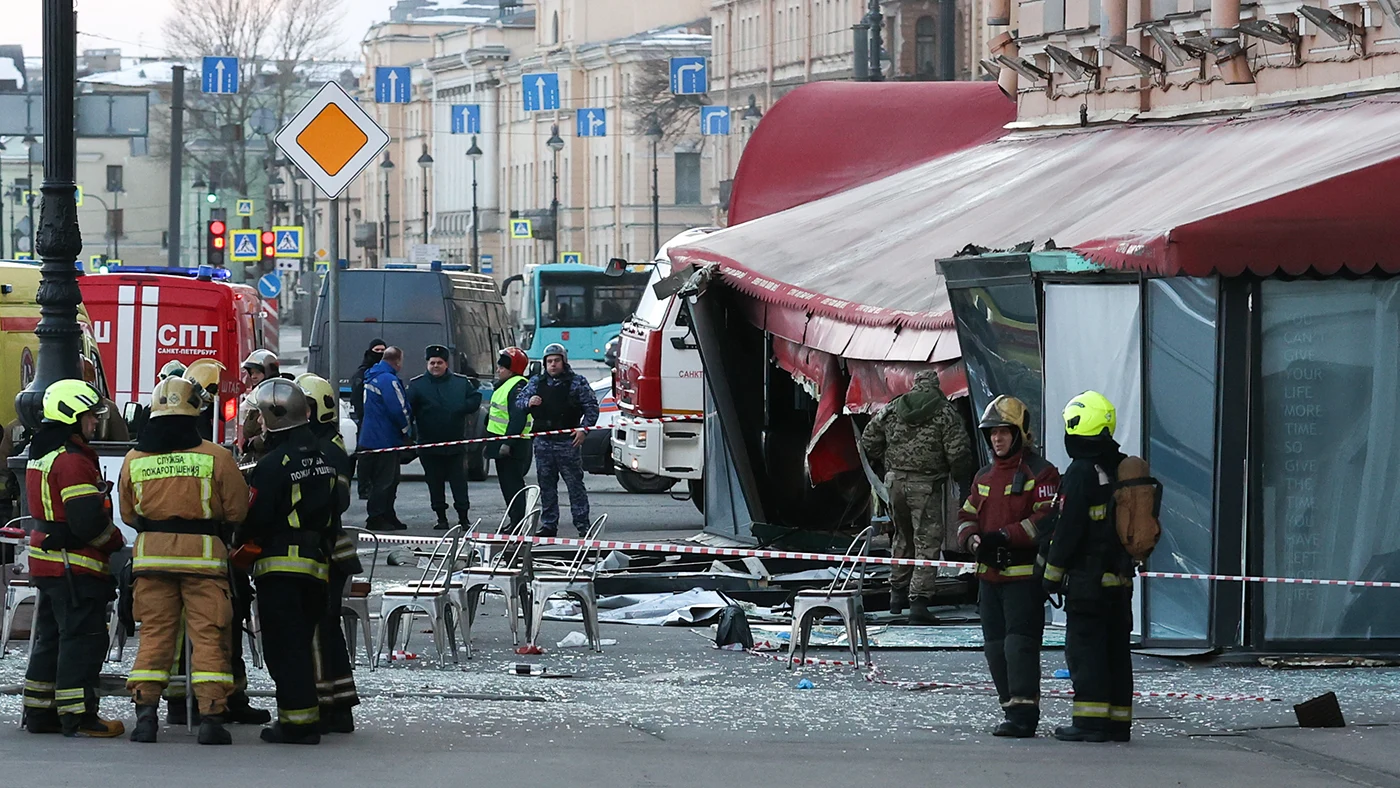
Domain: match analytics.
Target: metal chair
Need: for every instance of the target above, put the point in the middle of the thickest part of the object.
(354, 606)
(17, 593)
(434, 597)
(570, 584)
(509, 572)
(840, 597)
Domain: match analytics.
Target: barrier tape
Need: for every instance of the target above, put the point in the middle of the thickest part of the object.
(737, 552)
(493, 438)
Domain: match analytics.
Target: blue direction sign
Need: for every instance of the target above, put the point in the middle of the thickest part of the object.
(466, 118)
(488, 264)
(392, 84)
(270, 285)
(592, 122)
(287, 242)
(714, 121)
(541, 91)
(219, 75)
(689, 76)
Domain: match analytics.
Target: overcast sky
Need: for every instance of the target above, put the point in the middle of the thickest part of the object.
(135, 24)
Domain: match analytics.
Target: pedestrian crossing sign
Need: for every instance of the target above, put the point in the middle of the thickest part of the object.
(244, 246)
(521, 228)
(288, 242)
(244, 208)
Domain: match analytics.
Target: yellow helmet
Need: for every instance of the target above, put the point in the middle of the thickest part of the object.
(321, 396)
(1089, 415)
(172, 368)
(1006, 411)
(175, 396)
(204, 374)
(66, 400)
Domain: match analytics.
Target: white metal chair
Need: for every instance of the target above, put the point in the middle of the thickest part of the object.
(354, 605)
(842, 597)
(433, 596)
(571, 584)
(509, 572)
(18, 592)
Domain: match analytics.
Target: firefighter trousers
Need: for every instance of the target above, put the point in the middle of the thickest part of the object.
(1013, 623)
(70, 644)
(335, 673)
(169, 606)
(1098, 643)
(290, 606)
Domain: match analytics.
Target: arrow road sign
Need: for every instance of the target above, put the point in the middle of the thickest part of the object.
(466, 118)
(521, 228)
(541, 91)
(714, 121)
(243, 246)
(287, 242)
(332, 139)
(689, 77)
(592, 122)
(219, 75)
(392, 84)
(270, 286)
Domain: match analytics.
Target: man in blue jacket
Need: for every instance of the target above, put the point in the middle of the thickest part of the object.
(443, 403)
(560, 399)
(386, 419)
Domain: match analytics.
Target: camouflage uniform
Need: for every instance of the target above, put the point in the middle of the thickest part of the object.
(921, 441)
(568, 403)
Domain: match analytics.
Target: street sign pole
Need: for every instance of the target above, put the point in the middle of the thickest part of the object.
(333, 297)
(177, 175)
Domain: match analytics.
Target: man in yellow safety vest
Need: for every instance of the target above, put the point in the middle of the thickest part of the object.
(506, 418)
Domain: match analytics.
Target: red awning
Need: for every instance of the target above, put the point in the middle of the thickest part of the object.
(1282, 191)
(824, 137)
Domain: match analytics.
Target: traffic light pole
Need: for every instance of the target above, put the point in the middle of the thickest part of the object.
(177, 149)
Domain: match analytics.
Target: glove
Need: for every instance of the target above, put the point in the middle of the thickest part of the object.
(1053, 587)
(987, 547)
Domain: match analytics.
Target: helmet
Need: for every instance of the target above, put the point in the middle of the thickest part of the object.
(282, 404)
(554, 349)
(66, 400)
(513, 359)
(175, 396)
(204, 374)
(171, 369)
(1089, 415)
(264, 360)
(1006, 411)
(321, 396)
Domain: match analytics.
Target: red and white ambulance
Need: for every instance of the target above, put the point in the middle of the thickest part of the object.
(144, 317)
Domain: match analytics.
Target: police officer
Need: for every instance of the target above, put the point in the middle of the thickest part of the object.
(260, 365)
(920, 440)
(289, 534)
(184, 494)
(335, 676)
(560, 399)
(1000, 523)
(443, 404)
(70, 552)
(1088, 565)
(506, 417)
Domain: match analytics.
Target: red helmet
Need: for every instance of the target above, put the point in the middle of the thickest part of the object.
(514, 359)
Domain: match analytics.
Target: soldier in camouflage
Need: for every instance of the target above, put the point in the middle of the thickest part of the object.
(921, 441)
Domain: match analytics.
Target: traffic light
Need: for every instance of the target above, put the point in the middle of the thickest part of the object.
(218, 242)
(269, 251)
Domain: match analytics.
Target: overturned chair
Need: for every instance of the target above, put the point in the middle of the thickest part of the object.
(571, 583)
(434, 594)
(842, 597)
(509, 571)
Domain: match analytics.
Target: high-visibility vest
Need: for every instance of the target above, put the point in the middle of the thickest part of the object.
(498, 418)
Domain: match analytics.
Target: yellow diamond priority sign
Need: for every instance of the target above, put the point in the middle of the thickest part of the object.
(332, 139)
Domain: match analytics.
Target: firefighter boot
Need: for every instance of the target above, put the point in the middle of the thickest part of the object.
(278, 733)
(1072, 733)
(90, 725)
(147, 724)
(212, 731)
(335, 720)
(241, 712)
(176, 713)
(1014, 730)
(899, 600)
(42, 721)
(918, 611)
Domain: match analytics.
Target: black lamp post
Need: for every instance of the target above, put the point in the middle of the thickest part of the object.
(30, 151)
(388, 167)
(474, 153)
(3, 196)
(654, 133)
(556, 144)
(752, 115)
(198, 186)
(59, 239)
(426, 162)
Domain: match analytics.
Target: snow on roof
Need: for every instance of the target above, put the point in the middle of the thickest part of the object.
(10, 73)
(139, 75)
(667, 36)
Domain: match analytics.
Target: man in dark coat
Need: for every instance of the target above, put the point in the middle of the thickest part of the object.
(443, 404)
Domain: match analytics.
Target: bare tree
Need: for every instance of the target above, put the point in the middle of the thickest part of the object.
(650, 98)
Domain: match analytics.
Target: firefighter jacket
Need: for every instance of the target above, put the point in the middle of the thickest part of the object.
(1005, 507)
(1084, 552)
(294, 501)
(68, 499)
(345, 553)
(183, 494)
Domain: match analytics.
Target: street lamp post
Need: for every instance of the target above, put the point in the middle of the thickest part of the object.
(474, 153)
(3, 197)
(29, 142)
(556, 144)
(654, 133)
(388, 167)
(198, 186)
(426, 162)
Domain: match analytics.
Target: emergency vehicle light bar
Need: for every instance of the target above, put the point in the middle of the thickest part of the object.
(436, 265)
(193, 273)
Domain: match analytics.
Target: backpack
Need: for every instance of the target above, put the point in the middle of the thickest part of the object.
(733, 628)
(1137, 503)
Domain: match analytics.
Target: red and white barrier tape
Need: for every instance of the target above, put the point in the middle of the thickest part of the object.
(736, 552)
(494, 438)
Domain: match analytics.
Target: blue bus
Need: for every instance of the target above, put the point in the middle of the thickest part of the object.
(577, 306)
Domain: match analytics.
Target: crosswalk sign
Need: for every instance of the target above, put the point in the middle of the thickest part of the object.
(571, 258)
(243, 246)
(288, 242)
(244, 207)
(521, 228)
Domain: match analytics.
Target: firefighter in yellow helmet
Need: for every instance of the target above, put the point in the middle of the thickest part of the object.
(184, 495)
(1087, 564)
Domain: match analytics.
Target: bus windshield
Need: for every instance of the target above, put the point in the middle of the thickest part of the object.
(583, 299)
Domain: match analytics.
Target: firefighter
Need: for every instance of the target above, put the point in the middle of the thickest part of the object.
(1087, 564)
(289, 533)
(260, 365)
(1000, 523)
(70, 552)
(172, 369)
(183, 494)
(335, 674)
(506, 417)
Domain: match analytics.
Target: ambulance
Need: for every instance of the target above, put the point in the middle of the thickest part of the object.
(145, 316)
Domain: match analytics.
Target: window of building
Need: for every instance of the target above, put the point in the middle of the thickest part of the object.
(554, 29)
(687, 179)
(926, 46)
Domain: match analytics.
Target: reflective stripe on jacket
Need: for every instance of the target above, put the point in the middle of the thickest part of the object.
(498, 419)
(185, 490)
(62, 483)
